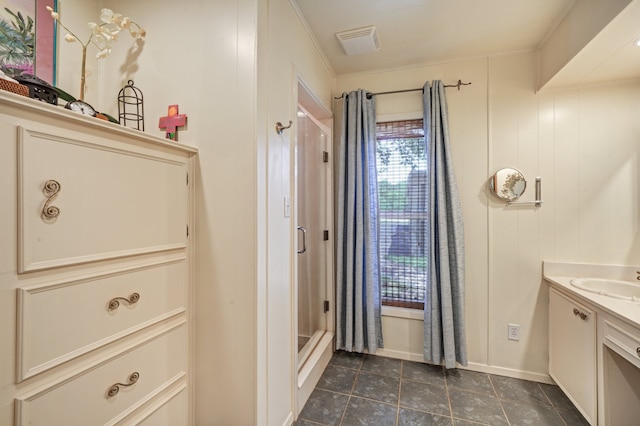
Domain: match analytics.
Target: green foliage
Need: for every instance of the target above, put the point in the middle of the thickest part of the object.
(410, 150)
(415, 261)
(392, 198)
(17, 42)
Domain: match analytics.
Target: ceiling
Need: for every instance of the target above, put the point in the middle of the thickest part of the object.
(420, 32)
(417, 32)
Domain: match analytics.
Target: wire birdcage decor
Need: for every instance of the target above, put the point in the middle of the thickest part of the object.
(131, 107)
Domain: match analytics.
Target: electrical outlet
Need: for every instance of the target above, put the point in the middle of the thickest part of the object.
(513, 332)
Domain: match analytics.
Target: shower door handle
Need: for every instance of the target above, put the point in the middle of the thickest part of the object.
(304, 239)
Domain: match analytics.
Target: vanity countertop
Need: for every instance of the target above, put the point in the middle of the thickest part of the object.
(559, 275)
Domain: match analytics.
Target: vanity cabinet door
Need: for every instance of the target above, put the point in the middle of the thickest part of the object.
(572, 351)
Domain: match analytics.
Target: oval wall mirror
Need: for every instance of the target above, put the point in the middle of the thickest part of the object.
(508, 184)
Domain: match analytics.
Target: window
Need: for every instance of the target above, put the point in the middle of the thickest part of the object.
(402, 181)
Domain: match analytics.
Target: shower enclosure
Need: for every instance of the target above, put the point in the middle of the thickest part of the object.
(314, 256)
(311, 171)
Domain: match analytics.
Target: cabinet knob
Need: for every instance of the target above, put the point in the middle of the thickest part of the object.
(114, 389)
(50, 190)
(638, 350)
(115, 302)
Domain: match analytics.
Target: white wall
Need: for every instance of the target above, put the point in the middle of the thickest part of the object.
(232, 66)
(582, 142)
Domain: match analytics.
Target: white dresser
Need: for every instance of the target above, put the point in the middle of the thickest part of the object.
(96, 270)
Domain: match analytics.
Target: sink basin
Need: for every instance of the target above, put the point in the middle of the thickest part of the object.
(613, 288)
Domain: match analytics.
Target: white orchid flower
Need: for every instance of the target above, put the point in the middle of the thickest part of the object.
(102, 35)
(103, 53)
(95, 29)
(53, 13)
(141, 33)
(106, 16)
(105, 32)
(116, 19)
(101, 42)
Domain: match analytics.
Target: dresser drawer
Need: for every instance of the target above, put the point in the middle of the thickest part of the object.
(109, 392)
(170, 409)
(62, 320)
(111, 200)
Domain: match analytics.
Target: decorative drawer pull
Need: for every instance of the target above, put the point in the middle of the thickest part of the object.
(638, 350)
(115, 302)
(113, 390)
(577, 313)
(50, 190)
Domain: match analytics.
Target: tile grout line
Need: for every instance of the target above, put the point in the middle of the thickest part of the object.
(552, 404)
(358, 370)
(504, 413)
(399, 392)
(446, 389)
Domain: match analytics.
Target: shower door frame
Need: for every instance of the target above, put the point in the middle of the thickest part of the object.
(308, 371)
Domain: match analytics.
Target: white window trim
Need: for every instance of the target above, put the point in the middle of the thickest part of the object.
(397, 312)
(399, 116)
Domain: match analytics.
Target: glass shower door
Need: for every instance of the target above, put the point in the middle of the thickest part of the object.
(311, 192)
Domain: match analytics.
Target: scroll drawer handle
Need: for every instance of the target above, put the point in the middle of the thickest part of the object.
(638, 350)
(115, 302)
(113, 390)
(50, 190)
(577, 313)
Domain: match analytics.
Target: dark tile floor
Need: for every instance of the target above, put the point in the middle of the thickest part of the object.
(358, 389)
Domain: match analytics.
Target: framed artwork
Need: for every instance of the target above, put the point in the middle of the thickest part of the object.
(28, 38)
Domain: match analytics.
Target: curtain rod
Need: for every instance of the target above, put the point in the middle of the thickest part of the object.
(458, 84)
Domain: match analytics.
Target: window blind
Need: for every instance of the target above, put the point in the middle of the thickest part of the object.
(402, 180)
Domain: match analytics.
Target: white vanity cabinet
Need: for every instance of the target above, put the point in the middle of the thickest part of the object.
(594, 339)
(572, 351)
(96, 270)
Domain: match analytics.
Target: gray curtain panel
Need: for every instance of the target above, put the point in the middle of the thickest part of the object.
(444, 324)
(358, 301)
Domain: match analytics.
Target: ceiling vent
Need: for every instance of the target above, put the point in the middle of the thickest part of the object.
(360, 40)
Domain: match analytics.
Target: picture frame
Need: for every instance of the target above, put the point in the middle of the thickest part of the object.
(28, 38)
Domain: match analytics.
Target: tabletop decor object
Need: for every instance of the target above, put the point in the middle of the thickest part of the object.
(38, 88)
(102, 36)
(10, 85)
(171, 122)
(131, 107)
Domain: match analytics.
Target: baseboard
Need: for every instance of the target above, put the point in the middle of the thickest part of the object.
(472, 366)
(289, 420)
(510, 372)
(407, 356)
